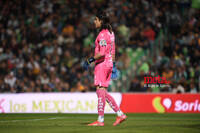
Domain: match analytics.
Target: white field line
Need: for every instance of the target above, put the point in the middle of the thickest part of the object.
(53, 118)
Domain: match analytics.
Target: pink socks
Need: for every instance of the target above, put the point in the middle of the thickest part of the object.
(111, 102)
(101, 93)
(103, 96)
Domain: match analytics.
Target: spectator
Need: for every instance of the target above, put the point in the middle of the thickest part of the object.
(36, 36)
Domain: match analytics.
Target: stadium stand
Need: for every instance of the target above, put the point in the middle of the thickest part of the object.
(43, 44)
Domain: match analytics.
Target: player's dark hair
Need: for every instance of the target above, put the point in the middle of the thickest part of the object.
(104, 17)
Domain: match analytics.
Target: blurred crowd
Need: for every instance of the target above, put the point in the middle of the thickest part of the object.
(43, 43)
(179, 57)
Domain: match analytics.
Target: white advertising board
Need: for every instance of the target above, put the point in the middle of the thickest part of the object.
(53, 103)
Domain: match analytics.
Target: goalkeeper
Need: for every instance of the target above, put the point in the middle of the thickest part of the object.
(105, 68)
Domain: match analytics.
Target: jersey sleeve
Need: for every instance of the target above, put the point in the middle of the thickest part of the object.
(102, 41)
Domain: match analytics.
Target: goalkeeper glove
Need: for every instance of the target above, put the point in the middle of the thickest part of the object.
(115, 72)
(88, 62)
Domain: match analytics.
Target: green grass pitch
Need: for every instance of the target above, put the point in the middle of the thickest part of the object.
(77, 123)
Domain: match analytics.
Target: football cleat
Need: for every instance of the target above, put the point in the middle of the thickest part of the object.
(96, 123)
(119, 120)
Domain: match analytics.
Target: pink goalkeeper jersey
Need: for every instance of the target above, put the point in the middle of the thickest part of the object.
(105, 45)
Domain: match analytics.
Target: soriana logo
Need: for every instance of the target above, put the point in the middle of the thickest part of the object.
(162, 105)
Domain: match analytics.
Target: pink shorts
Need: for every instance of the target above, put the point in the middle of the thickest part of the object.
(102, 75)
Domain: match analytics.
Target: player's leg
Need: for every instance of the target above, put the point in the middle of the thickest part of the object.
(101, 102)
(105, 81)
(100, 90)
(109, 98)
(111, 101)
(101, 105)
(120, 115)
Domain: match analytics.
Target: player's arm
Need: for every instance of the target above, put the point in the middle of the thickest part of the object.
(113, 53)
(101, 51)
(99, 55)
(113, 57)
(113, 47)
